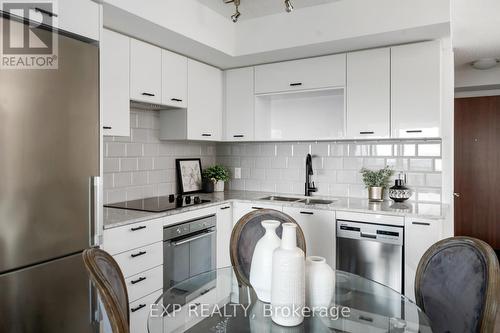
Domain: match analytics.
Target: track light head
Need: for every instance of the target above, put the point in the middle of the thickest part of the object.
(288, 6)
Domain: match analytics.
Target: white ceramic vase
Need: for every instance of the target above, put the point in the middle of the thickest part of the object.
(219, 186)
(262, 260)
(320, 283)
(288, 282)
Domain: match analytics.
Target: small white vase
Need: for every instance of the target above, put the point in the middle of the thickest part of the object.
(288, 282)
(320, 283)
(262, 261)
(219, 186)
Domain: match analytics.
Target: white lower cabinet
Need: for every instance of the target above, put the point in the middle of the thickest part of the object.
(241, 209)
(139, 313)
(420, 234)
(319, 231)
(224, 229)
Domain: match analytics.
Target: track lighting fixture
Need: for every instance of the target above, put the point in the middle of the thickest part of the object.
(237, 14)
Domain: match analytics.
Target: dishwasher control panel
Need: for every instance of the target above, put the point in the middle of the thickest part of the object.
(370, 231)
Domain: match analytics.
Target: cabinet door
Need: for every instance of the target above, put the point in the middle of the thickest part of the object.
(240, 100)
(115, 80)
(224, 229)
(312, 73)
(419, 236)
(174, 79)
(204, 116)
(319, 230)
(81, 17)
(416, 90)
(368, 94)
(140, 311)
(145, 72)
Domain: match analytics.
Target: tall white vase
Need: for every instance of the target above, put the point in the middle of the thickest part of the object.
(320, 283)
(262, 261)
(288, 282)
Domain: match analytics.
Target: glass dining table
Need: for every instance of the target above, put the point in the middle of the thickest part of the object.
(215, 302)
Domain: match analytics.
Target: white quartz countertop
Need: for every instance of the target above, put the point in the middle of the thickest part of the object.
(114, 217)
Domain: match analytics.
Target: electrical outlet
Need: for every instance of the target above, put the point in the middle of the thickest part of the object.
(237, 173)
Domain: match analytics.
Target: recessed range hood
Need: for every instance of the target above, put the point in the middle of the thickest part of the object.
(150, 106)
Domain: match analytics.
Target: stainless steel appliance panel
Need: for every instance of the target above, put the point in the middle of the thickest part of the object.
(372, 251)
(49, 298)
(49, 148)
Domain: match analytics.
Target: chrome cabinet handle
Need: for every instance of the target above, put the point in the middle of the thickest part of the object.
(372, 236)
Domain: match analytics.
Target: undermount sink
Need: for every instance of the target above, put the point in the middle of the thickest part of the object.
(310, 201)
(277, 198)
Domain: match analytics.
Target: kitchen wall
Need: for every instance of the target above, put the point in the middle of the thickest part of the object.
(280, 167)
(141, 165)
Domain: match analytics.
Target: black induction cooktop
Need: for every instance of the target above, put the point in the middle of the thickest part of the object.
(159, 204)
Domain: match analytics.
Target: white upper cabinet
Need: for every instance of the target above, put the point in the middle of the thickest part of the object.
(115, 78)
(368, 94)
(145, 72)
(312, 73)
(174, 79)
(240, 100)
(415, 90)
(81, 17)
(204, 114)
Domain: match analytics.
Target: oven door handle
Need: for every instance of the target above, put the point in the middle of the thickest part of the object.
(184, 241)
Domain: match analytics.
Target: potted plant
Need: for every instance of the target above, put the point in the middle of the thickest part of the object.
(376, 182)
(216, 176)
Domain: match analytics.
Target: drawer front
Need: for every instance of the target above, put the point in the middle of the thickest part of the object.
(144, 283)
(139, 313)
(302, 74)
(140, 259)
(132, 236)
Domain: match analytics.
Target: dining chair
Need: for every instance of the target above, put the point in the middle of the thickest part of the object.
(110, 283)
(457, 285)
(247, 232)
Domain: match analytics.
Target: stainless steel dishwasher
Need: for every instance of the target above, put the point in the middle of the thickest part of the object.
(373, 251)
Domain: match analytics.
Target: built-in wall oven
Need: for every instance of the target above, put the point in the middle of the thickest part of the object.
(189, 252)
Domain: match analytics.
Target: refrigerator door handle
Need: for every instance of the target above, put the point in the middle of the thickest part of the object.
(96, 219)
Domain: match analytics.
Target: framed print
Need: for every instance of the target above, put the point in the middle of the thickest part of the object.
(189, 175)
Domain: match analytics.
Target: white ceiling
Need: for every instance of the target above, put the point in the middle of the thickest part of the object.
(258, 8)
(475, 30)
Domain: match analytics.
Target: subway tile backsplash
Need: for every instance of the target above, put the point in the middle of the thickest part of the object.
(279, 167)
(141, 165)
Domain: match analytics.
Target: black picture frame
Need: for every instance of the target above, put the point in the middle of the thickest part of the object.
(193, 166)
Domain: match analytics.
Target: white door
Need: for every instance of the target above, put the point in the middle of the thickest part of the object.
(204, 115)
(240, 100)
(319, 231)
(115, 80)
(145, 72)
(368, 94)
(312, 73)
(174, 79)
(416, 90)
(224, 229)
(419, 236)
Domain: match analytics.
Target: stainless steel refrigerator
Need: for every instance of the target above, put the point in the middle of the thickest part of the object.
(49, 156)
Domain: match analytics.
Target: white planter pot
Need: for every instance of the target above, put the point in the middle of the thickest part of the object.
(219, 186)
(320, 282)
(288, 282)
(262, 261)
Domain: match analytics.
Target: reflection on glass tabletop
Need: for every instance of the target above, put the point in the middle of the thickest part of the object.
(214, 302)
